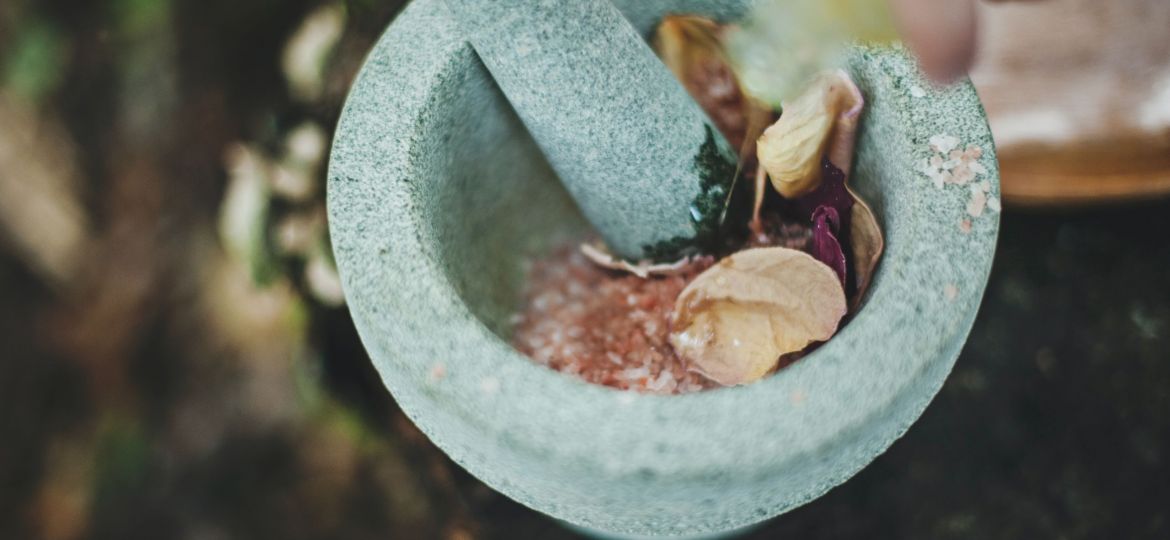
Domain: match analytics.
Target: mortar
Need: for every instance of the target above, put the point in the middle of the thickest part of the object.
(437, 197)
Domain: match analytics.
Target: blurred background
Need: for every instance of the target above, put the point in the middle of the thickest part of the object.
(176, 360)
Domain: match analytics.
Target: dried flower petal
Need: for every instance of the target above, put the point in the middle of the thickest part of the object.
(840, 151)
(792, 148)
(736, 319)
(825, 247)
(599, 255)
(867, 244)
(756, 225)
(692, 47)
(831, 192)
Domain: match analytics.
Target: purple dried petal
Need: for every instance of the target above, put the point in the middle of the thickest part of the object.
(824, 246)
(832, 244)
(832, 192)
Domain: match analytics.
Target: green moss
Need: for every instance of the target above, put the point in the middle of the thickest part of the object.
(716, 168)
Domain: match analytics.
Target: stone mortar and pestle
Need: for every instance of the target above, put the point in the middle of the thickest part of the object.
(453, 165)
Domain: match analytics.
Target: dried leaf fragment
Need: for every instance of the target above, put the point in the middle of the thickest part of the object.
(867, 244)
(826, 226)
(692, 47)
(861, 235)
(821, 121)
(599, 255)
(734, 321)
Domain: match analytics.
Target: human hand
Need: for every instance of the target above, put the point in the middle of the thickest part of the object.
(942, 34)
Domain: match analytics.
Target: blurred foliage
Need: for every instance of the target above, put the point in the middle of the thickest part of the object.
(138, 17)
(35, 63)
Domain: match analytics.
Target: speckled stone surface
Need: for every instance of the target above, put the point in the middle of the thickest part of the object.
(437, 196)
(623, 135)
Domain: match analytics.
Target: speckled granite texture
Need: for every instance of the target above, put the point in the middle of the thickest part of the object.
(437, 196)
(634, 148)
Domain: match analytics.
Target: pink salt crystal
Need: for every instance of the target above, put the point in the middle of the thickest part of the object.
(962, 175)
(977, 203)
(606, 327)
(438, 371)
(943, 144)
(965, 226)
(950, 291)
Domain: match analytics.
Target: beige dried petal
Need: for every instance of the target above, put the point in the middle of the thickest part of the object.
(867, 246)
(840, 151)
(600, 256)
(791, 149)
(734, 321)
(692, 47)
(756, 225)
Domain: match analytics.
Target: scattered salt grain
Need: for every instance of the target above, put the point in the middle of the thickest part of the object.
(962, 175)
(633, 374)
(438, 371)
(917, 91)
(951, 164)
(606, 327)
(977, 204)
(489, 385)
(950, 291)
(943, 144)
(663, 384)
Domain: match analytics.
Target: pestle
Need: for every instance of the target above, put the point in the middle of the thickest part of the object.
(644, 163)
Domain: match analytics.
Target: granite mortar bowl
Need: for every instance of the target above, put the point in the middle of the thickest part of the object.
(437, 197)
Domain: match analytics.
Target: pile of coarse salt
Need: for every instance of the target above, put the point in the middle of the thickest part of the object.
(949, 164)
(604, 326)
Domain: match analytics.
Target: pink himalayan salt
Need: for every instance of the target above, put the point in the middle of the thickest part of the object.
(610, 327)
(604, 326)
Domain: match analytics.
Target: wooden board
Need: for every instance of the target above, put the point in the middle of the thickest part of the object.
(1086, 173)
